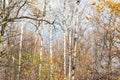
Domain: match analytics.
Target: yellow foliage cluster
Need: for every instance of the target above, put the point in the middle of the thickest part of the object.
(99, 5)
(114, 6)
(111, 4)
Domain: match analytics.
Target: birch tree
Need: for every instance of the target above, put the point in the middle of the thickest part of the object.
(64, 34)
(20, 52)
(51, 53)
(65, 52)
(70, 54)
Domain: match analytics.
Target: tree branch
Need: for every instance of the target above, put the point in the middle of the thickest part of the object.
(27, 17)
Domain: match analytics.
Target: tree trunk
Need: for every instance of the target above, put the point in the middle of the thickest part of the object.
(75, 47)
(41, 52)
(20, 52)
(64, 36)
(70, 54)
(51, 54)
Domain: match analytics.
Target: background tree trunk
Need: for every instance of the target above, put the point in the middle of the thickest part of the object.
(70, 54)
(20, 52)
(51, 53)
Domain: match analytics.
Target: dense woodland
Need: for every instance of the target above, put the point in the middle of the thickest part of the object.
(59, 40)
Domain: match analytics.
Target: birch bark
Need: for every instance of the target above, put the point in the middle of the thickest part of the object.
(41, 51)
(20, 52)
(51, 53)
(64, 53)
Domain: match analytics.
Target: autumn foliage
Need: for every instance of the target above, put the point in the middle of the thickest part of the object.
(59, 40)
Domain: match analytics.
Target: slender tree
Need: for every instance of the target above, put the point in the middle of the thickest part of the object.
(20, 52)
(65, 52)
(70, 54)
(51, 53)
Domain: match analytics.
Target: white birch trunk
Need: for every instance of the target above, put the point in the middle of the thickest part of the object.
(64, 34)
(70, 57)
(41, 41)
(74, 54)
(74, 58)
(41, 52)
(64, 53)
(19, 62)
(75, 45)
(51, 54)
